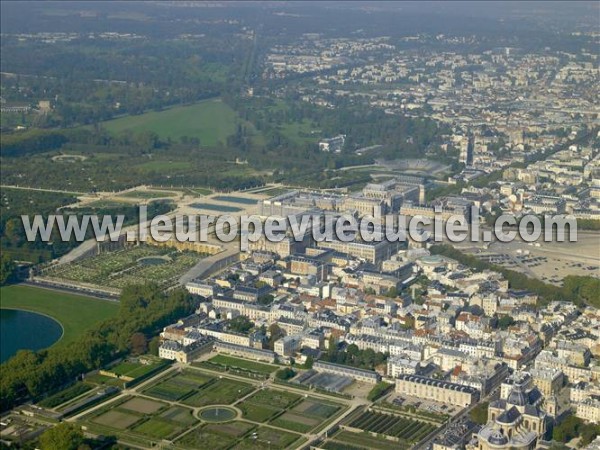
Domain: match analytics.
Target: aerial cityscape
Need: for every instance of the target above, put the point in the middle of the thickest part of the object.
(300, 225)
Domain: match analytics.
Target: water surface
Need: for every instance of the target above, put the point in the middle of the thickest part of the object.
(26, 330)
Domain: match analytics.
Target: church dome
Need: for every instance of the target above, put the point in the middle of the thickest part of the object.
(517, 397)
(497, 438)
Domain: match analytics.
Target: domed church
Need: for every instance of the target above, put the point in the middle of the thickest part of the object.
(515, 423)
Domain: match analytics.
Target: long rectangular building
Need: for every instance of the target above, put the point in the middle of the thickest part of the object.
(256, 354)
(368, 376)
(436, 390)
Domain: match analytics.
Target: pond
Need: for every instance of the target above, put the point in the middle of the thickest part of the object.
(26, 330)
(232, 199)
(218, 414)
(212, 207)
(152, 261)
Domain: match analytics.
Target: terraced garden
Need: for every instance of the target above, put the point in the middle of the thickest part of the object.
(222, 391)
(188, 407)
(126, 266)
(180, 386)
(265, 404)
(141, 419)
(287, 410)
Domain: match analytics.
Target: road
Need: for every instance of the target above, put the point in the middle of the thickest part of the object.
(25, 188)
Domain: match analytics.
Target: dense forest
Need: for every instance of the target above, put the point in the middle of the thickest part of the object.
(16, 202)
(273, 138)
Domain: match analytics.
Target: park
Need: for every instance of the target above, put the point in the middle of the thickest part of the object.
(76, 313)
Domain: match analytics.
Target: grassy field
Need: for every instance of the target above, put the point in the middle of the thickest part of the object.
(159, 429)
(267, 437)
(146, 195)
(135, 369)
(178, 386)
(75, 313)
(221, 392)
(203, 437)
(211, 121)
(179, 414)
(197, 191)
(299, 132)
(266, 403)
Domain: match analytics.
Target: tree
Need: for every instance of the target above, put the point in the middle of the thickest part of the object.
(392, 292)
(332, 346)
(153, 345)
(64, 436)
(138, 343)
(275, 333)
(567, 429)
(285, 374)
(586, 288)
(572, 427)
(353, 356)
(241, 324)
(13, 232)
(266, 299)
(309, 362)
(379, 390)
(7, 269)
(505, 322)
(409, 323)
(479, 414)
(353, 350)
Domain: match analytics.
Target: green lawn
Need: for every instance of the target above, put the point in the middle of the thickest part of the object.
(169, 390)
(159, 429)
(267, 437)
(145, 195)
(299, 132)
(258, 413)
(264, 404)
(210, 121)
(222, 392)
(75, 313)
(203, 438)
